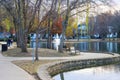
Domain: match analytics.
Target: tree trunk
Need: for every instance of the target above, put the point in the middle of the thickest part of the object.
(18, 38)
(49, 41)
(17, 32)
(24, 44)
(22, 25)
(63, 36)
(64, 24)
(23, 39)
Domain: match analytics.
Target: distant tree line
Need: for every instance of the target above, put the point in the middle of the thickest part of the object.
(101, 23)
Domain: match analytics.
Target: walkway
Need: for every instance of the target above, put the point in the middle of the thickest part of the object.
(83, 55)
(9, 71)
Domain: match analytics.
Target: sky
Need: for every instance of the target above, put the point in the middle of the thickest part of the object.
(117, 1)
(117, 4)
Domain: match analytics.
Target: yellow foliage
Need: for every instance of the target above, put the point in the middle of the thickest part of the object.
(35, 25)
(72, 24)
(7, 23)
(69, 31)
(75, 25)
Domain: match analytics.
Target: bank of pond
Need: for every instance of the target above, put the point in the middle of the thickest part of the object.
(107, 72)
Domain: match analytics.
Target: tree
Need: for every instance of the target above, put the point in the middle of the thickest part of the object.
(71, 27)
(71, 5)
(102, 23)
(7, 23)
(18, 10)
(49, 16)
(115, 22)
(57, 26)
(26, 12)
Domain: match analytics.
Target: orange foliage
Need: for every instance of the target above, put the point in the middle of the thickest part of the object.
(57, 26)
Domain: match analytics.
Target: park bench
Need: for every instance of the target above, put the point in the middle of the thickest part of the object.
(70, 49)
(73, 51)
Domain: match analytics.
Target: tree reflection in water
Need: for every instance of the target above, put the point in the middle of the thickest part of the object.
(108, 72)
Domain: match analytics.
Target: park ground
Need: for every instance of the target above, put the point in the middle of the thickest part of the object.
(25, 61)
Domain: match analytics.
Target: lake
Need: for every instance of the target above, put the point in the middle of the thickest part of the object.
(108, 47)
(108, 72)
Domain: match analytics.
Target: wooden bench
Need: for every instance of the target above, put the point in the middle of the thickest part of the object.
(74, 51)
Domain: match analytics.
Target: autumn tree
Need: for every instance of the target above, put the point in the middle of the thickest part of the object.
(18, 10)
(71, 28)
(57, 26)
(71, 6)
(7, 23)
(25, 12)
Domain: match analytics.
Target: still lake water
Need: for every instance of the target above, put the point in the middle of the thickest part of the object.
(108, 47)
(109, 72)
(98, 46)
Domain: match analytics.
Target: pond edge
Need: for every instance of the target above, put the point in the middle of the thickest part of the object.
(47, 71)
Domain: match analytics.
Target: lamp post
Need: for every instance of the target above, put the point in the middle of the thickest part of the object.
(33, 47)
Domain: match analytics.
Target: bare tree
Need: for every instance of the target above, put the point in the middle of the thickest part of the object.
(19, 9)
(24, 12)
(71, 6)
(115, 22)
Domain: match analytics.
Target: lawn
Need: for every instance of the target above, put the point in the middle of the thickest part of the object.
(43, 52)
(31, 67)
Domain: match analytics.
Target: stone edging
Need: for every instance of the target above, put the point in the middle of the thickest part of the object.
(46, 71)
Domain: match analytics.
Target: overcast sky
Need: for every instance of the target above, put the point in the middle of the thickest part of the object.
(117, 2)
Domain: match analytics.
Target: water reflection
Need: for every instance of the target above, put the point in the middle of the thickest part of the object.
(98, 46)
(83, 46)
(89, 46)
(62, 76)
(109, 72)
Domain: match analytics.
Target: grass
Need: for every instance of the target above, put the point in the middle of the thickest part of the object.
(31, 67)
(43, 52)
(15, 52)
